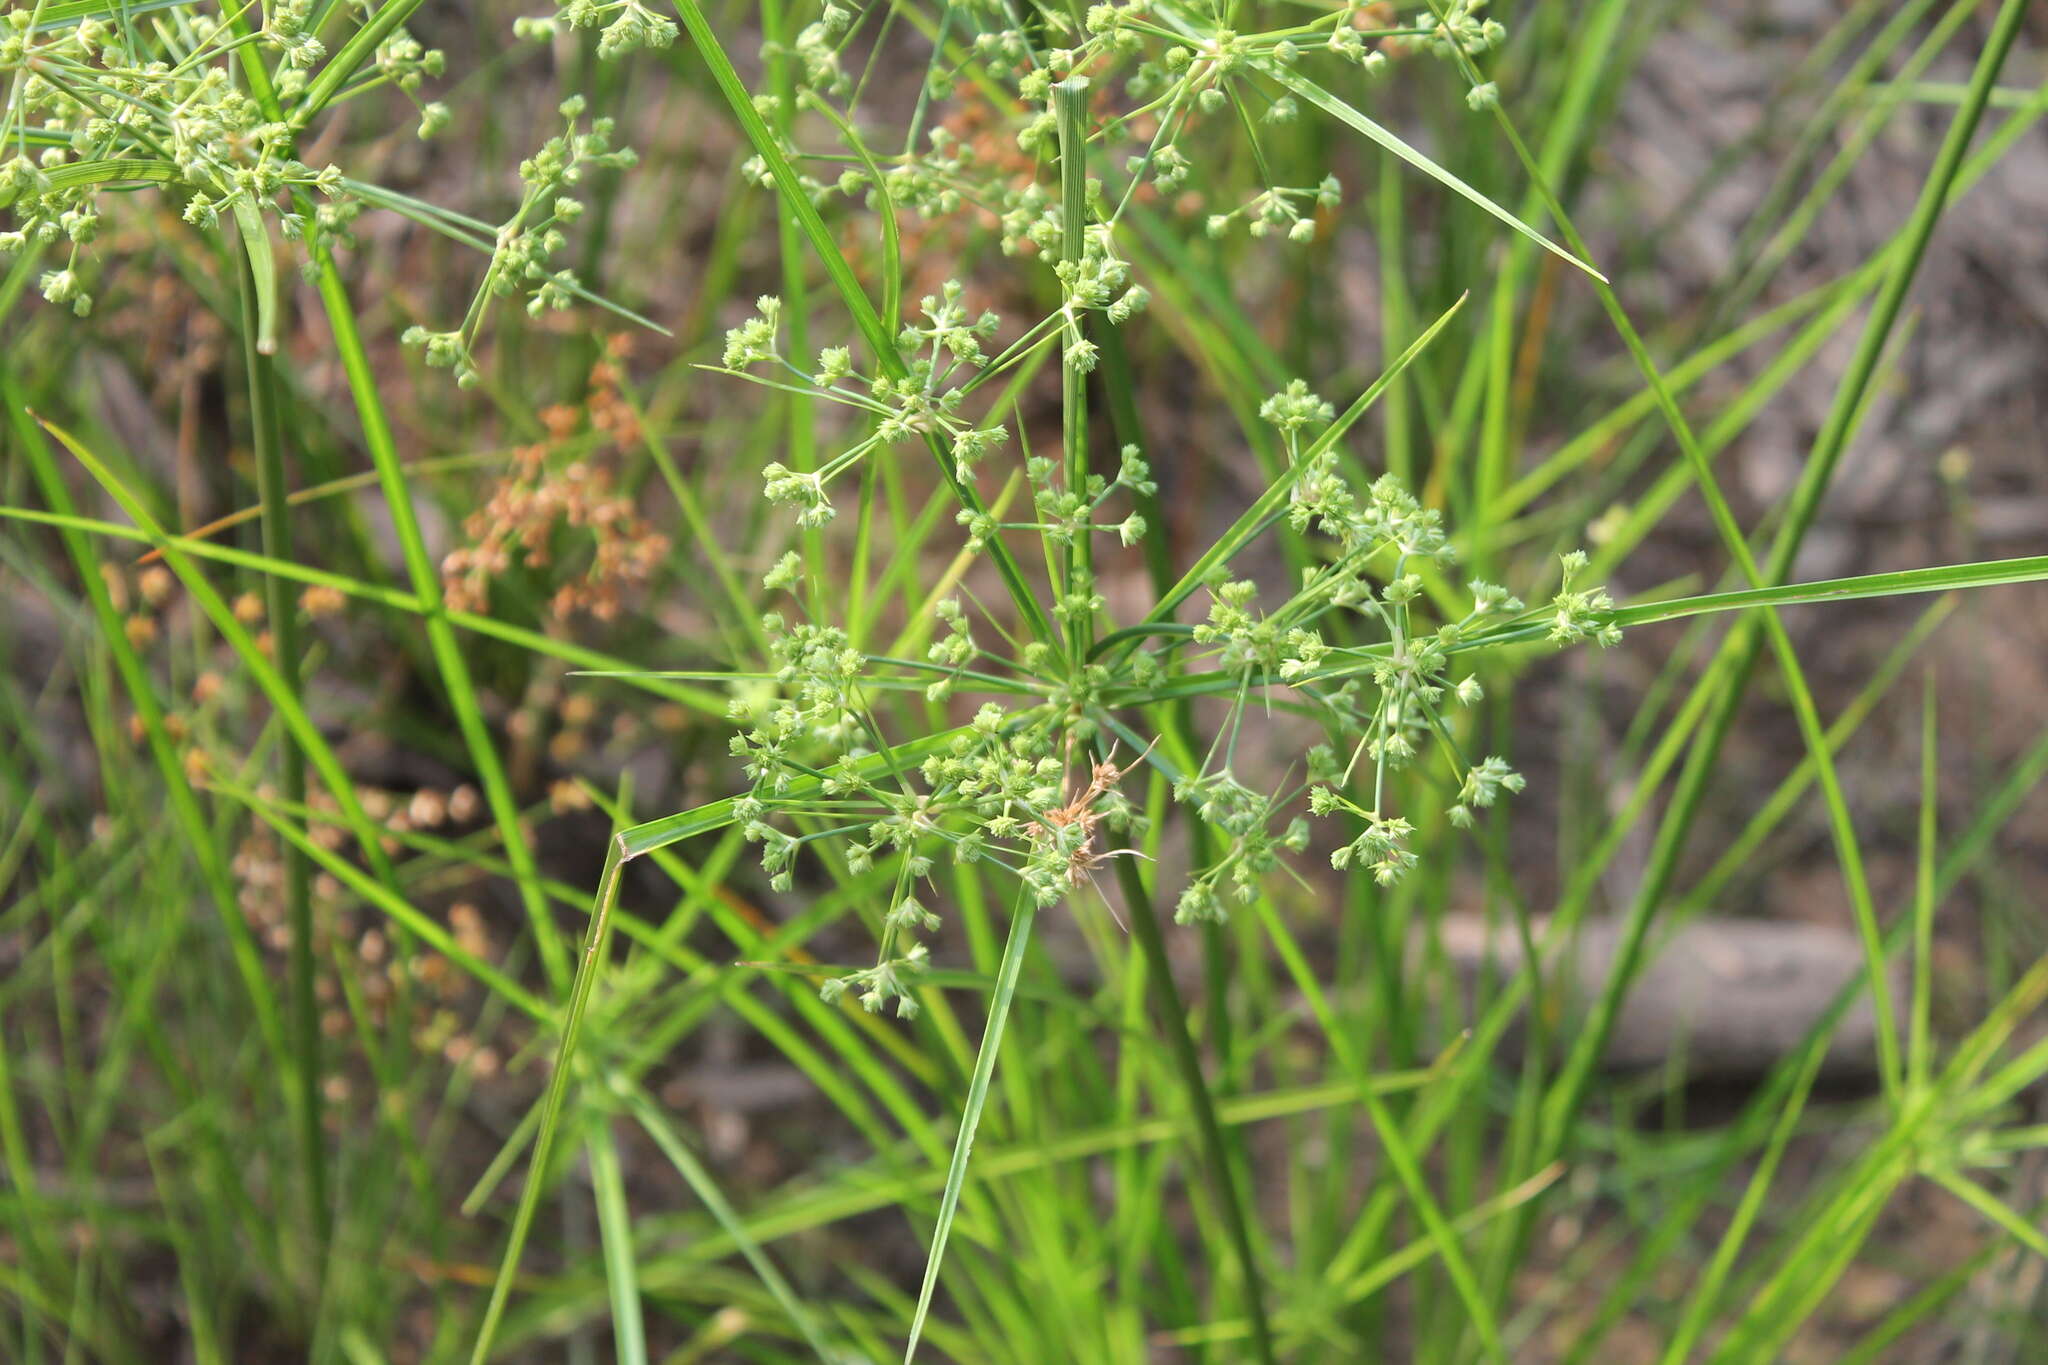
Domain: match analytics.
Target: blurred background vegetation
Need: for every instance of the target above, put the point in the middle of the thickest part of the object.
(747, 1172)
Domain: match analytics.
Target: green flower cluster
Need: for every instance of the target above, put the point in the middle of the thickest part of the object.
(1027, 784)
(943, 362)
(524, 246)
(96, 107)
(193, 100)
(623, 25)
(1171, 86)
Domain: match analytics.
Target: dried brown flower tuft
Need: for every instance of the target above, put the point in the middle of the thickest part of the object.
(537, 498)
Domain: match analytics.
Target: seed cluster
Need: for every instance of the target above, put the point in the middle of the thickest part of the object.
(557, 485)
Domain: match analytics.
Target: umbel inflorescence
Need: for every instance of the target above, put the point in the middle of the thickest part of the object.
(180, 99)
(1030, 783)
(1375, 641)
(211, 102)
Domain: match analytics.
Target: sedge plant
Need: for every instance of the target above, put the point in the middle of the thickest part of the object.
(975, 688)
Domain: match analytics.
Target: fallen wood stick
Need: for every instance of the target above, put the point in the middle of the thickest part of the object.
(1719, 998)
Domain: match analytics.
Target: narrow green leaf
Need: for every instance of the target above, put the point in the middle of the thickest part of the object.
(615, 1234)
(594, 943)
(970, 1119)
(1899, 583)
(1330, 104)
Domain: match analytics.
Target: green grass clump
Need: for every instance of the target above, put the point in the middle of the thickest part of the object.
(1002, 579)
